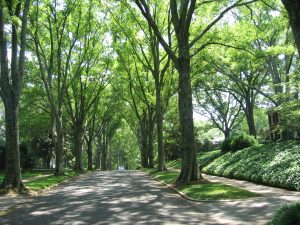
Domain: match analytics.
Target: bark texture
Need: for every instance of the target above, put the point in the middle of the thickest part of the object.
(189, 168)
(78, 146)
(10, 88)
(293, 9)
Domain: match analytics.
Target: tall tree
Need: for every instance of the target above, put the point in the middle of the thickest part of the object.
(11, 83)
(182, 13)
(54, 43)
(153, 59)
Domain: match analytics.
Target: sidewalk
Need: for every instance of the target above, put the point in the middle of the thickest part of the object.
(269, 192)
(252, 211)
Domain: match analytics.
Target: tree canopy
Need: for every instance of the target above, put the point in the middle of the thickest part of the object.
(99, 85)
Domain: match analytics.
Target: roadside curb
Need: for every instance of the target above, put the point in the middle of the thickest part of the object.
(183, 195)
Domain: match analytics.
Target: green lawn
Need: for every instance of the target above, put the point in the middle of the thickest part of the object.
(205, 190)
(28, 174)
(45, 182)
(41, 183)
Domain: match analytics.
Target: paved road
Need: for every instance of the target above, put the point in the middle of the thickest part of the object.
(109, 198)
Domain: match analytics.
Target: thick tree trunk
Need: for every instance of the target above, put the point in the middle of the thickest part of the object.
(293, 8)
(161, 166)
(189, 167)
(251, 123)
(250, 118)
(78, 144)
(90, 155)
(12, 177)
(226, 133)
(10, 88)
(59, 160)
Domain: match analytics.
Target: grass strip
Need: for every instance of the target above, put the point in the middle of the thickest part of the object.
(204, 190)
(49, 181)
(28, 174)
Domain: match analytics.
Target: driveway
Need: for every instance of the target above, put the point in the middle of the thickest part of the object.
(128, 197)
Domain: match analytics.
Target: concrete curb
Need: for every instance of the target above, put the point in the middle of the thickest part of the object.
(183, 195)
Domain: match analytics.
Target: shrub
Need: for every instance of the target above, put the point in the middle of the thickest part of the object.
(226, 145)
(238, 142)
(287, 214)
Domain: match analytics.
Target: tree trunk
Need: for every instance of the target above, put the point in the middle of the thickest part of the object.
(293, 9)
(98, 155)
(150, 141)
(59, 161)
(189, 167)
(78, 144)
(226, 133)
(150, 132)
(90, 155)
(159, 126)
(10, 87)
(104, 152)
(110, 157)
(250, 119)
(143, 145)
(12, 177)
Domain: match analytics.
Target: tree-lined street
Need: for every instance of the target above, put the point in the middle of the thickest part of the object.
(135, 198)
(108, 198)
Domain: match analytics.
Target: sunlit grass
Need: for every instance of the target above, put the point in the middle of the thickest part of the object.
(176, 164)
(215, 191)
(204, 190)
(49, 181)
(32, 174)
(29, 174)
(38, 182)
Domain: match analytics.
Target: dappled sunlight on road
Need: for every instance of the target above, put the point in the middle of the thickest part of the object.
(109, 198)
(132, 197)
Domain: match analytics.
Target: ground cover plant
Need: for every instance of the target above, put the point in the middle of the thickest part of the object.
(287, 214)
(204, 158)
(275, 164)
(203, 190)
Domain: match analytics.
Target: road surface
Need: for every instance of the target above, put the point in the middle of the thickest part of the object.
(126, 197)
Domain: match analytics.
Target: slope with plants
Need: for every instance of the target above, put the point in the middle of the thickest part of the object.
(275, 164)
